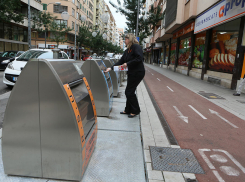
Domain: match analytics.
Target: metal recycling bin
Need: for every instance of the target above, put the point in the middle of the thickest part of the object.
(114, 77)
(100, 84)
(50, 122)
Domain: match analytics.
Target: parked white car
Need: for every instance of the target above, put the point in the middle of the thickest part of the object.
(14, 68)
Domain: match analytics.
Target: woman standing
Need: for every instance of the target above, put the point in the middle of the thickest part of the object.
(133, 59)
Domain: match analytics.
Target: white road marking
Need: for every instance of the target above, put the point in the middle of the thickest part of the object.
(184, 118)
(152, 73)
(205, 158)
(203, 117)
(218, 158)
(201, 134)
(170, 89)
(214, 112)
(218, 176)
(232, 158)
(230, 171)
(158, 79)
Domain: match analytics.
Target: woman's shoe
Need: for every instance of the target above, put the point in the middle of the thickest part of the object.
(123, 112)
(132, 115)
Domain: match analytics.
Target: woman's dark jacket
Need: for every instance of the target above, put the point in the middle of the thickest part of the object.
(134, 59)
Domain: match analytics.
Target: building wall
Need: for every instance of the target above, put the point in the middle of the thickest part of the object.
(14, 36)
(201, 6)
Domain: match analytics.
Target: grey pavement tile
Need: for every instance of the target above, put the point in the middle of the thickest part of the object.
(147, 155)
(155, 175)
(149, 166)
(189, 175)
(152, 180)
(173, 177)
(117, 160)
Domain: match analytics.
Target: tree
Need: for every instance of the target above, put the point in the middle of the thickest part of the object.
(58, 32)
(46, 22)
(130, 12)
(10, 11)
(84, 36)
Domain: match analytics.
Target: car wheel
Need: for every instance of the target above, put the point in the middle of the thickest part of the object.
(10, 86)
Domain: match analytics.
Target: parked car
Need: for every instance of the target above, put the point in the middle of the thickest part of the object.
(14, 68)
(110, 55)
(87, 57)
(7, 57)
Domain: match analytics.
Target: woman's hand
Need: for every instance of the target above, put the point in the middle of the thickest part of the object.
(125, 65)
(107, 70)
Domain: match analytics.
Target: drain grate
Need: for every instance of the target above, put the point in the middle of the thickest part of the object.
(210, 95)
(175, 160)
(241, 101)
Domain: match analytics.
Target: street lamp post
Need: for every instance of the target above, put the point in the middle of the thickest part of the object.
(29, 24)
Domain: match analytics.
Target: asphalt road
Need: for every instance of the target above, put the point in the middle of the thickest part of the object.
(3, 87)
(215, 136)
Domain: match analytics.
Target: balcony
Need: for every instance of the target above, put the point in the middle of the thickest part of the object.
(157, 34)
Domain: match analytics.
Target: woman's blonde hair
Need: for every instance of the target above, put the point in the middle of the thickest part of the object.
(132, 40)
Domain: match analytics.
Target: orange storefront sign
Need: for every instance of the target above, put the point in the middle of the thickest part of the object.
(184, 31)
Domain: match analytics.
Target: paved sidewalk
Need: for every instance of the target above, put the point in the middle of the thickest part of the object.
(230, 103)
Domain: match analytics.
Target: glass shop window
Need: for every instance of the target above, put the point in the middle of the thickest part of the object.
(199, 50)
(222, 53)
(184, 51)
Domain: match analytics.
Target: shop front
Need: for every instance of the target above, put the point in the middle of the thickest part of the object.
(223, 27)
(184, 43)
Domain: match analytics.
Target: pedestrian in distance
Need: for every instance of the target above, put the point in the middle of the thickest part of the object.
(133, 60)
(240, 87)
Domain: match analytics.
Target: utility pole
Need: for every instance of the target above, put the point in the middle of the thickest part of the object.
(29, 24)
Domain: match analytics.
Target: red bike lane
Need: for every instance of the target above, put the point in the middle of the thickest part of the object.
(215, 136)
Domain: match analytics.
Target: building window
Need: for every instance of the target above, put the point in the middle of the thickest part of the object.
(61, 22)
(60, 9)
(73, 1)
(73, 25)
(73, 12)
(77, 15)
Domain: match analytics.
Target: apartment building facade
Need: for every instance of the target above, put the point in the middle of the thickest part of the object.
(14, 36)
(76, 9)
(205, 40)
(121, 42)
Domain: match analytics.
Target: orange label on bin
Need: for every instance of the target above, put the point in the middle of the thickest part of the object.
(76, 112)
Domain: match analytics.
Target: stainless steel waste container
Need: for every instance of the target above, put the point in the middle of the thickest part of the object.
(114, 77)
(100, 84)
(50, 123)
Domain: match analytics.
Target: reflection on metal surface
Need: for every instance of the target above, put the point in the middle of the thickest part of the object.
(114, 77)
(50, 123)
(100, 84)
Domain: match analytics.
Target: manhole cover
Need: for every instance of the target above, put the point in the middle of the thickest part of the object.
(175, 160)
(241, 101)
(210, 95)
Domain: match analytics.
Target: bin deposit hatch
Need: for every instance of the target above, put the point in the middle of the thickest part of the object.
(114, 76)
(50, 123)
(100, 84)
